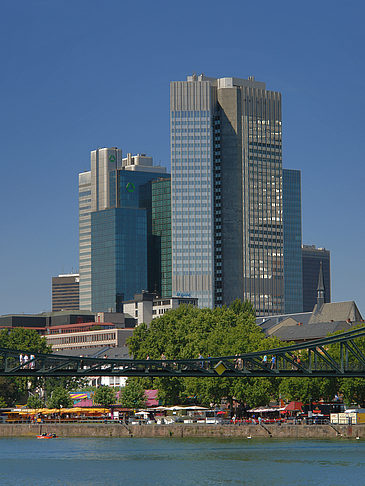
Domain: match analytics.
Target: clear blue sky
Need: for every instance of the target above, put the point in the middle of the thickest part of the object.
(82, 74)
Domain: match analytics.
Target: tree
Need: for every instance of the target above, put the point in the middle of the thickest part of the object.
(29, 341)
(308, 389)
(187, 332)
(35, 401)
(133, 395)
(10, 391)
(104, 396)
(353, 390)
(60, 398)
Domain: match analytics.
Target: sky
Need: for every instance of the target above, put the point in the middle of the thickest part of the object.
(82, 74)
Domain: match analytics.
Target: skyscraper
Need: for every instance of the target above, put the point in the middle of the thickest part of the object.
(292, 220)
(161, 231)
(312, 258)
(117, 256)
(97, 191)
(65, 292)
(226, 192)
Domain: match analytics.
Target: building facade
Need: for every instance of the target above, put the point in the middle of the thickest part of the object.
(65, 292)
(292, 224)
(85, 240)
(311, 261)
(226, 192)
(117, 255)
(161, 231)
(147, 306)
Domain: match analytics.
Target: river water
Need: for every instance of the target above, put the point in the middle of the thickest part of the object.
(180, 462)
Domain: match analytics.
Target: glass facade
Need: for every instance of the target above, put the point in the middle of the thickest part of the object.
(262, 200)
(292, 212)
(85, 239)
(161, 231)
(192, 191)
(311, 260)
(119, 256)
(134, 190)
(227, 213)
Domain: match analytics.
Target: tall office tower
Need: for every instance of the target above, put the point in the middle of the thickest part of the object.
(226, 193)
(161, 230)
(65, 292)
(311, 260)
(85, 240)
(97, 190)
(292, 220)
(117, 256)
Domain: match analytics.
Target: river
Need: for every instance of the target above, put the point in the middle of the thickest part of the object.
(180, 462)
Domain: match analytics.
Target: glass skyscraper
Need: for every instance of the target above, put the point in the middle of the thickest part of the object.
(161, 231)
(292, 216)
(312, 257)
(226, 192)
(85, 239)
(117, 256)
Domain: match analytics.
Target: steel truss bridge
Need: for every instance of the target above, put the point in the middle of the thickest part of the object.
(335, 356)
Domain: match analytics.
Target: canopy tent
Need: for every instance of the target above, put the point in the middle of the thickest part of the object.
(294, 407)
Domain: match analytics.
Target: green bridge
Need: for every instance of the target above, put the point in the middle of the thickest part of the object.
(336, 356)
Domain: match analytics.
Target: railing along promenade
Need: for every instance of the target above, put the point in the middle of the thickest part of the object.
(335, 356)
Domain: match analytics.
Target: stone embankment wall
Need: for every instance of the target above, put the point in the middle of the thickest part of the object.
(180, 431)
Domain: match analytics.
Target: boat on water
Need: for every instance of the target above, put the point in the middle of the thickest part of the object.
(47, 436)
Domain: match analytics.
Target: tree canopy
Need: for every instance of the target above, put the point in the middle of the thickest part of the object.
(188, 332)
(104, 396)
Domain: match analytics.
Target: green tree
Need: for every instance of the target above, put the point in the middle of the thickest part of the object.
(353, 390)
(35, 401)
(133, 395)
(28, 341)
(308, 389)
(187, 332)
(104, 396)
(60, 398)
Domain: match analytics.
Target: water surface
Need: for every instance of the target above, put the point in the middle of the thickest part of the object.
(180, 462)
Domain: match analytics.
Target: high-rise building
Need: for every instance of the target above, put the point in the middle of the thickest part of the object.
(117, 256)
(226, 192)
(85, 239)
(292, 223)
(161, 231)
(65, 292)
(312, 258)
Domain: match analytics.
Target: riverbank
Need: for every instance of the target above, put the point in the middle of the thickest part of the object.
(188, 430)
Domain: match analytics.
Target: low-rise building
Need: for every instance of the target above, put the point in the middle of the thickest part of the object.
(147, 306)
(103, 338)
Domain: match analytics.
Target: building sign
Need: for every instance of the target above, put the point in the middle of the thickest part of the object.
(130, 187)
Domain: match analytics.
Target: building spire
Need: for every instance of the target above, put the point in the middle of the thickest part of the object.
(320, 287)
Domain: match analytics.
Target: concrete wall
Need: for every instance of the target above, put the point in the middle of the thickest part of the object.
(229, 431)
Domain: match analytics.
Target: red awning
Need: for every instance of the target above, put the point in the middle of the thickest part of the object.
(294, 406)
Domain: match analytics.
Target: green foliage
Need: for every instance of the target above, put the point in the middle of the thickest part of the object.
(29, 341)
(187, 332)
(133, 394)
(23, 339)
(2, 402)
(104, 396)
(35, 401)
(10, 391)
(60, 398)
(353, 390)
(308, 389)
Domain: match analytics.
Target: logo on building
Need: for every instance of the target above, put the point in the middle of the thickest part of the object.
(112, 158)
(130, 187)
